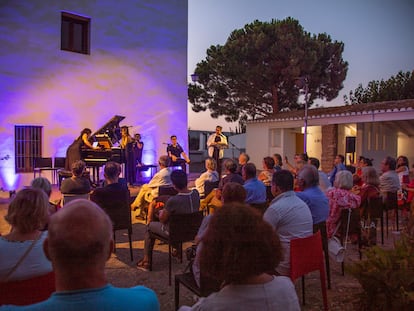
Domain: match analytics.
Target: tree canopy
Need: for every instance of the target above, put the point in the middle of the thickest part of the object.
(399, 87)
(256, 72)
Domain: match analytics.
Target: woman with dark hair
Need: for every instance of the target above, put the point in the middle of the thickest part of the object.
(403, 170)
(127, 144)
(241, 250)
(73, 153)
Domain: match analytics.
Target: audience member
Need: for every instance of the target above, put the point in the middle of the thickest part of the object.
(266, 174)
(338, 166)
(340, 197)
(213, 200)
(79, 244)
(243, 159)
(113, 192)
(239, 250)
(186, 201)
(311, 194)
(389, 181)
(44, 184)
(255, 189)
(403, 170)
(232, 192)
(324, 182)
(210, 175)
(77, 184)
(21, 255)
(300, 159)
(288, 215)
(278, 161)
(149, 192)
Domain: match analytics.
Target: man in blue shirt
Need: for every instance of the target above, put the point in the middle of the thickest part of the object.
(338, 166)
(78, 244)
(311, 194)
(255, 189)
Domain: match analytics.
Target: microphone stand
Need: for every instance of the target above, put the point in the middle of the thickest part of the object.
(232, 149)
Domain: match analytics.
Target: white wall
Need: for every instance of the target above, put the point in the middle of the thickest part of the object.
(137, 68)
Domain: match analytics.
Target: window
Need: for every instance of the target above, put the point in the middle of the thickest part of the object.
(275, 136)
(27, 145)
(75, 33)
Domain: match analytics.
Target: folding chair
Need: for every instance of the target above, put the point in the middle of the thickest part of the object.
(182, 228)
(306, 255)
(27, 292)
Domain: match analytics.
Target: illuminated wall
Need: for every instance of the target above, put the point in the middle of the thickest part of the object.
(137, 68)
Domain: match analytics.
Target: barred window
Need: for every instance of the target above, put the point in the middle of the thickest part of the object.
(27, 145)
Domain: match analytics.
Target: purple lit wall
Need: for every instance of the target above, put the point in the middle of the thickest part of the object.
(137, 68)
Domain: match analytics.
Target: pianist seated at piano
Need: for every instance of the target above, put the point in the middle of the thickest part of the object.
(78, 183)
(149, 192)
(73, 153)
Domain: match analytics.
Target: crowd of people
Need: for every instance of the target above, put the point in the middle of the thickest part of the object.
(243, 242)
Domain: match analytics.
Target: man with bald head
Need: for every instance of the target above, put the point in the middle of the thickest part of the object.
(78, 244)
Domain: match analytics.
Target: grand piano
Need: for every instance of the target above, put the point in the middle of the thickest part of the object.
(106, 137)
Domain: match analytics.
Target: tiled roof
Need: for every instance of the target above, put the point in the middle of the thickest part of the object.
(388, 106)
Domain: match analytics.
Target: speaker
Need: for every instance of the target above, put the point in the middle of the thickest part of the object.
(350, 144)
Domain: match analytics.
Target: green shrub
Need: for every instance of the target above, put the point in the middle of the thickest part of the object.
(387, 276)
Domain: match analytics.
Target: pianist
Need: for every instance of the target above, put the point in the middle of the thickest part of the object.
(73, 153)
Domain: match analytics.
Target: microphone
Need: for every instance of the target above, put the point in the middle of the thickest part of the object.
(165, 143)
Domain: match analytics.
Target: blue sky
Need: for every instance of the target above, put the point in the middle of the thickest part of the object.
(378, 35)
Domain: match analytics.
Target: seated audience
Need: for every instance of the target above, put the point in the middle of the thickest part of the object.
(209, 175)
(79, 244)
(232, 192)
(389, 180)
(44, 184)
(324, 182)
(113, 191)
(403, 170)
(266, 174)
(300, 159)
(213, 200)
(278, 161)
(255, 189)
(185, 202)
(149, 192)
(243, 159)
(311, 194)
(340, 197)
(288, 215)
(21, 255)
(77, 184)
(338, 166)
(239, 250)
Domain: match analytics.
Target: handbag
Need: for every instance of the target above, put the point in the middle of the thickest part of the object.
(335, 248)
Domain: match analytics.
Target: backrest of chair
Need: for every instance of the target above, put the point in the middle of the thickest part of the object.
(390, 200)
(118, 209)
(167, 190)
(40, 162)
(70, 197)
(375, 207)
(184, 227)
(59, 162)
(269, 194)
(209, 186)
(354, 222)
(306, 255)
(26, 292)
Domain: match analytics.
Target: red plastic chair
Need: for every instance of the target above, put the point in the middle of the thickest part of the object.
(27, 292)
(306, 255)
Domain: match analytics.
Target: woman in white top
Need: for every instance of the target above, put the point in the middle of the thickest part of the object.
(21, 251)
(209, 175)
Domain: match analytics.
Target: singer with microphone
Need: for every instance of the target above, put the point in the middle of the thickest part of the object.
(175, 151)
(126, 144)
(216, 142)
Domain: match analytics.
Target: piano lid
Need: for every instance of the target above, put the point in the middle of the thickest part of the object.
(111, 128)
